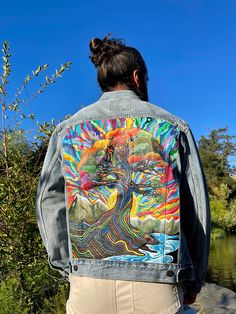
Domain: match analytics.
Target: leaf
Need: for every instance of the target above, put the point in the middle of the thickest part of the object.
(27, 79)
(37, 71)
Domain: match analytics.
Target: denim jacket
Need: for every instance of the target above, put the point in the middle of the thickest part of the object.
(122, 195)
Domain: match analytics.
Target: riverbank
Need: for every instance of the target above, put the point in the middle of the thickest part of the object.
(215, 299)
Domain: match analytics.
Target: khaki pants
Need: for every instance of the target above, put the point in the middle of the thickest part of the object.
(103, 296)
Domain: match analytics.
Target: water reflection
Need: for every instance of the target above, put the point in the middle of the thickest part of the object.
(222, 262)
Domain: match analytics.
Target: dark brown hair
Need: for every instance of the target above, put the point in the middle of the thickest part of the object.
(115, 62)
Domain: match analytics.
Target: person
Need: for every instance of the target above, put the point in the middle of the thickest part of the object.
(122, 203)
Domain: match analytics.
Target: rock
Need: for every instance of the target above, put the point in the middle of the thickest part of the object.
(214, 299)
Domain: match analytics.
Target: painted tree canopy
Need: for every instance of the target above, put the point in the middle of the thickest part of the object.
(122, 193)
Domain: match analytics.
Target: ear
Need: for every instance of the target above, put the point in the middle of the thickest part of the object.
(135, 78)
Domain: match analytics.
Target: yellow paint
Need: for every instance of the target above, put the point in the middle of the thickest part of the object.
(68, 157)
(121, 241)
(101, 144)
(100, 129)
(129, 122)
(112, 199)
(134, 208)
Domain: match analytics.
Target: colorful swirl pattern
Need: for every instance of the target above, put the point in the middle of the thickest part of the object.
(122, 189)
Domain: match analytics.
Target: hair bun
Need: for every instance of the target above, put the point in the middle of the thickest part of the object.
(101, 48)
(95, 45)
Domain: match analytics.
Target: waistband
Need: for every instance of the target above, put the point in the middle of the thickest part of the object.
(135, 271)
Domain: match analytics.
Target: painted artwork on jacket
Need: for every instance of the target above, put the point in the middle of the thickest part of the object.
(122, 189)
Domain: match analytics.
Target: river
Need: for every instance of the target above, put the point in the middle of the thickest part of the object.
(222, 262)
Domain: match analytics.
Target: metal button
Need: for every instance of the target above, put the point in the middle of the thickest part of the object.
(75, 267)
(170, 273)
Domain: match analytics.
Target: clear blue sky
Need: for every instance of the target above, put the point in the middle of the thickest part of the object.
(189, 47)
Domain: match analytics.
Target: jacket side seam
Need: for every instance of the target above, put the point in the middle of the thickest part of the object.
(42, 194)
(195, 185)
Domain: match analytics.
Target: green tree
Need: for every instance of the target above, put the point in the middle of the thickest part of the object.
(215, 151)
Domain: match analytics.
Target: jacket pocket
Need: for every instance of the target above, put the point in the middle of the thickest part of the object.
(152, 298)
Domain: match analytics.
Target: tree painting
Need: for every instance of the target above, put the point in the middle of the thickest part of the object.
(122, 189)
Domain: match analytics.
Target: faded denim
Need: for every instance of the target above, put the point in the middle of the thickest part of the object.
(52, 211)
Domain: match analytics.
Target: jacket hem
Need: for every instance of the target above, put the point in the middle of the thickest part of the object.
(132, 271)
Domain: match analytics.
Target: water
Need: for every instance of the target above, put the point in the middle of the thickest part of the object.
(222, 262)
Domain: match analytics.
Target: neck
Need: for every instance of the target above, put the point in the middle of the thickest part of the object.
(118, 87)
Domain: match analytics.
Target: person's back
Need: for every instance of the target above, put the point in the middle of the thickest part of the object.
(122, 204)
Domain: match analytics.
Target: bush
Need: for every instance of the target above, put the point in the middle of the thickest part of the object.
(10, 295)
(223, 212)
(27, 284)
(48, 297)
(217, 233)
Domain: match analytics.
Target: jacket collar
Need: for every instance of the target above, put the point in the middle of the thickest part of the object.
(127, 93)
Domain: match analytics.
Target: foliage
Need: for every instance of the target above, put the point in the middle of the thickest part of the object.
(223, 212)
(21, 242)
(216, 150)
(217, 233)
(27, 283)
(9, 293)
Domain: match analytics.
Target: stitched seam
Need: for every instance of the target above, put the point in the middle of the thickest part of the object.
(166, 182)
(63, 166)
(40, 201)
(195, 180)
(177, 303)
(113, 282)
(196, 184)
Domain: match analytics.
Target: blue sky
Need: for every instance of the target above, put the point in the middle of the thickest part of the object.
(189, 48)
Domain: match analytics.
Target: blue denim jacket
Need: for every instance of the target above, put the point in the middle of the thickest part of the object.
(122, 195)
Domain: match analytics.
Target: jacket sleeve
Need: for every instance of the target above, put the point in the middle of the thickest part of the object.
(51, 208)
(195, 210)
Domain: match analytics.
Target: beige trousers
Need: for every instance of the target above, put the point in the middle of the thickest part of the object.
(103, 296)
